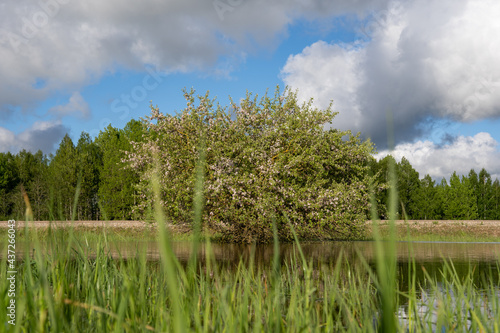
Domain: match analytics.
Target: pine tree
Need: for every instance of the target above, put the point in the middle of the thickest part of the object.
(63, 175)
(484, 194)
(9, 179)
(89, 164)
(380, 169)
(496, 200)
(461, 202)
(473, 181)
(32, 173)
(427, 200)
(408, 184)
(116, 190)
(441, 192)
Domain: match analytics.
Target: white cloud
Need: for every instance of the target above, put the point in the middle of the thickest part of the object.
(70, 44)
(423, 60)
(43, 135)
(461, 155)
(7, 139)
(75, 105)
(322, 68)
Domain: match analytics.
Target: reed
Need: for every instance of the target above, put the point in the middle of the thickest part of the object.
(64, 289)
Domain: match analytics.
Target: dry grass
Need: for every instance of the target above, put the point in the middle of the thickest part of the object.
(489, 229)
(484, 230)
(97, 225)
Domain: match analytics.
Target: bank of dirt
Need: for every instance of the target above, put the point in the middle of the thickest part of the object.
(472, 228)
(127, 227)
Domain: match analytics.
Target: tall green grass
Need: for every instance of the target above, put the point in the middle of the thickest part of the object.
(62, 292)
(61, 288)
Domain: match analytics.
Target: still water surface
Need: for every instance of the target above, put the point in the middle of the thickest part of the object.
(482, 258)
(323, 252)
(317, 252)
(477, 261)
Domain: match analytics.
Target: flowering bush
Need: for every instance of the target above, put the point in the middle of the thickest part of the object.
(268, 160)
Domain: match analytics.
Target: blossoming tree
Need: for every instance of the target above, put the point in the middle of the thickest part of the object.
(265, 160)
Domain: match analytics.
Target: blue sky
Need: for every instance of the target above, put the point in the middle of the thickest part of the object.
(68, 67)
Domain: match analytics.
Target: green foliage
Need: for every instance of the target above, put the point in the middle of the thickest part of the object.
(63, 171)
(495, 206)
(9, 178)
(460, 201)
(28, 171)
(89, 160)
(471, 197)
(116, 190)
(51, 183)
(264, 159)
(408, 184)
(380, 170)
(485, 196)
(427, 200)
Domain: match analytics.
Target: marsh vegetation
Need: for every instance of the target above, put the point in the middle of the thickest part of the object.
(68, 284)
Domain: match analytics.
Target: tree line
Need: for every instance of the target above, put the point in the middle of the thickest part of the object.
(91, 171)
(277, 150)
(466, 197)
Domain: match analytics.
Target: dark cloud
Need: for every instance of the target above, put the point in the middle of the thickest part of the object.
(447, 139)
(41, 136)
(68, 44)
(421, 62)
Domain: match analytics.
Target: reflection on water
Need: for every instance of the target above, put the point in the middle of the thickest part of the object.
(323, 252)
(421, 261)
(430, 304)
(482, 258)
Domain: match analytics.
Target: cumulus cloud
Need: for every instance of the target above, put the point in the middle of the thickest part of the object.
(43, 135)
(6, 139)
(419, 60)
(327, 72)
(461, 155)
(62, 45)
(75, 106)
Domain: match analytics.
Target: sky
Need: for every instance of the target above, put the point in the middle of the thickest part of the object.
(422, 72)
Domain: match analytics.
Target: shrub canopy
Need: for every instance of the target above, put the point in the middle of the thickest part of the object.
(265, 160)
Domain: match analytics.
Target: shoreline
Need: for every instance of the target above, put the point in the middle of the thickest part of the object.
(419, 230)
(444, 228)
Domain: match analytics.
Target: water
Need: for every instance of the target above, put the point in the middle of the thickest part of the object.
(317, 252)
(426, 253)
(481, 258)
(421, 260)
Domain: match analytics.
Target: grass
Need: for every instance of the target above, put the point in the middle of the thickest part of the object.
(461, 237)
(93, 234)
(442, 231)
(66, 290)
(87, 234)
